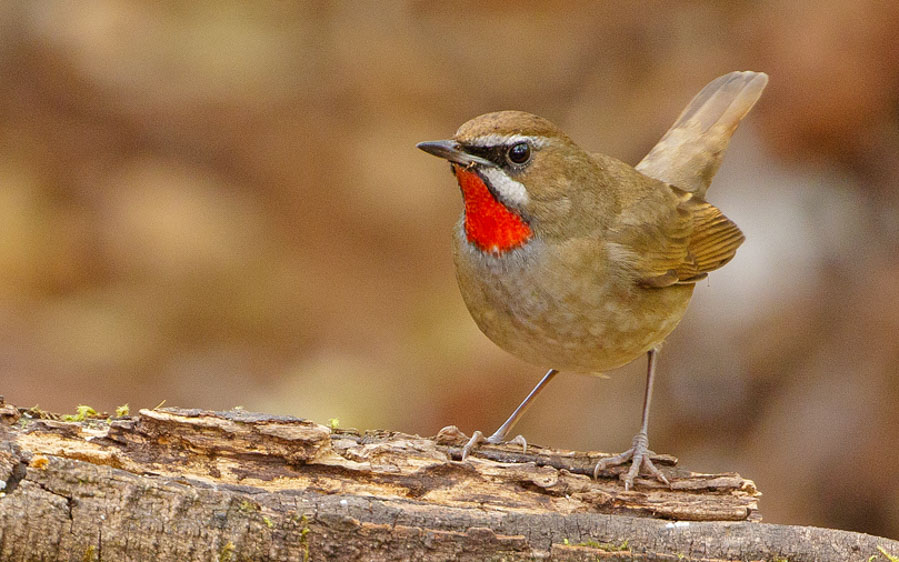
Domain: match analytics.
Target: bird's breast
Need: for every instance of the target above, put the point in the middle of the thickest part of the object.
(564, 305)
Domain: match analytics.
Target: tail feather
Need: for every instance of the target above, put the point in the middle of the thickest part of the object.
(689, 154)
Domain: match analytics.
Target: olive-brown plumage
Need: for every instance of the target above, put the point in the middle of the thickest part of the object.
(603, 257)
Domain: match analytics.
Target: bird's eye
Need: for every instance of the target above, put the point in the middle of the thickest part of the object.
(519, 153)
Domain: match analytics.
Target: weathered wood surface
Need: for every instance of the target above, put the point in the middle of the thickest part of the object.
(172, 484)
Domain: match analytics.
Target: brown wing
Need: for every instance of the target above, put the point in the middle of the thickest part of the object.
(676, 240)
(714, 239)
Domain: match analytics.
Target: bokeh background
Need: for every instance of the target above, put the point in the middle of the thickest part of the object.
(220, 203)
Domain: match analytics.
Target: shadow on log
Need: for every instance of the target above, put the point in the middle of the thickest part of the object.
(173, 484)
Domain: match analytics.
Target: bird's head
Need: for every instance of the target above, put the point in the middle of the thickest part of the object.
(516, 172)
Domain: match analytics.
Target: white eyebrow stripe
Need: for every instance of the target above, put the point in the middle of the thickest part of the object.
(508, 189)
(504, 140)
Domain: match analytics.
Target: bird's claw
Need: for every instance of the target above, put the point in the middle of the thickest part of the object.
(639, 455)
(477, 438)
(521, 441)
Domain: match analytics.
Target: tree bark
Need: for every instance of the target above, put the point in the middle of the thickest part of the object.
(173, 484)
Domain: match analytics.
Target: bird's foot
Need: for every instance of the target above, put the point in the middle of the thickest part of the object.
(477, 438)
(639, 455)
(452, 433)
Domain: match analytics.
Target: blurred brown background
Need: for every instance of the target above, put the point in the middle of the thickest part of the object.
(220, 204)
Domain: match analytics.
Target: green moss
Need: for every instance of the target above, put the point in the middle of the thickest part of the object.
(82, 412)
(248, 506)
(122, 411)
(227, 552)
(89, 554)
(268, 522)
(304, 537)
(333, 423)
(606, 546)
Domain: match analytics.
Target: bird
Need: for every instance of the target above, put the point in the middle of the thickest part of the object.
(578, 262)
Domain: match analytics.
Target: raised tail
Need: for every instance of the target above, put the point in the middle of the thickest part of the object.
(689, 154)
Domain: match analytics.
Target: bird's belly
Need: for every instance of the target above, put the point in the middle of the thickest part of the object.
(566, 319)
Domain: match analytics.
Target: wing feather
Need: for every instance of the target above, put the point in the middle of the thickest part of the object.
(681, 244)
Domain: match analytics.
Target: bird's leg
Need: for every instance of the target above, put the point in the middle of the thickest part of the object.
(639, 454)
(500, 434)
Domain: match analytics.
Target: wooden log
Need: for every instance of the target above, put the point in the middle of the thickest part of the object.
(174, 484)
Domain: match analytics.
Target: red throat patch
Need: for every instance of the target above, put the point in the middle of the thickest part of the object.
(489, 225)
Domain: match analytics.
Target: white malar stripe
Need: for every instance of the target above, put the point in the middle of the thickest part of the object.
(509, 190)
(506, 140)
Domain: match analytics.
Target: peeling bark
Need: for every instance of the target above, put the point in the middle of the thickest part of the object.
(172, 484)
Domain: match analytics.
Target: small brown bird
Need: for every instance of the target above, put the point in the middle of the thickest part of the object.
(578, 262)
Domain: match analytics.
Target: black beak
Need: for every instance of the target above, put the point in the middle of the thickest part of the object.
(452, 151)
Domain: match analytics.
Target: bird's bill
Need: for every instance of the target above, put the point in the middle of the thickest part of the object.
(452, 151)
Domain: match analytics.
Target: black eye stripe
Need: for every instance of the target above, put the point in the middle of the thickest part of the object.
(496, 154)
(492, 153)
